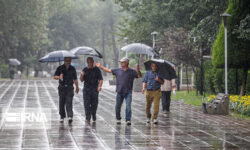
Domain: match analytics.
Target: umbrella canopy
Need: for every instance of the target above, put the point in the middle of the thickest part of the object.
(14, 62)
(84, 50)
(165, 68)
(57, 56)
(138, 48)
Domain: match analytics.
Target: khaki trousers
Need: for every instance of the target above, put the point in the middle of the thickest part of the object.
(153, 96)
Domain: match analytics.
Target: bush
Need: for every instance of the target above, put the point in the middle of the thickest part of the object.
(4, 71)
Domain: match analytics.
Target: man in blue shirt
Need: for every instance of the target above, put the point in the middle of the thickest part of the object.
(152, 83)
(124, 85)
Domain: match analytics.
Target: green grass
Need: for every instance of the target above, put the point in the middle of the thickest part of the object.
(189, 98)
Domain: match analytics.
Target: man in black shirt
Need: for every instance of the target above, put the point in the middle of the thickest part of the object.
(93, 80)
(66, 74)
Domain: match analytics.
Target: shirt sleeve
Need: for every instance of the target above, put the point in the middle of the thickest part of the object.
(145, 78)
(99, 74)
(114, 71)
(74, 74)
(58, 71)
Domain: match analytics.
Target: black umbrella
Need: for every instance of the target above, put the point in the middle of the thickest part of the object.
(165, 68)
(14, 62)
(84, 50)
(57, 56)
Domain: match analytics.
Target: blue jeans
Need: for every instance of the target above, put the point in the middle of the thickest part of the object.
(119, 101)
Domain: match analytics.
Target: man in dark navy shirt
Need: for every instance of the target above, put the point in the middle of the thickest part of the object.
(124, 85)
(93, 80)
(66, 74)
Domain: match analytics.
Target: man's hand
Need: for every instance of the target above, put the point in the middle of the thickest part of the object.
(82, 73)
(99, 89)
(143, 91)
(61, 76)
(98, 65)
(157, 79)
(77, 90)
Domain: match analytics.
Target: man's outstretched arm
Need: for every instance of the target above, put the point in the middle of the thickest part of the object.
(103, 68)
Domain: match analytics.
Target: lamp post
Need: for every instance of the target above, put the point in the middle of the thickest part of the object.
(224, 17)
(154, 38)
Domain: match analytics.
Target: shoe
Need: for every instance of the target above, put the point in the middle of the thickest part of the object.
(61, 120)
(164, 112)
(148, 120)
(70, 120)
(128, 123)
(155, 121)
(93, 121)
(118, 121)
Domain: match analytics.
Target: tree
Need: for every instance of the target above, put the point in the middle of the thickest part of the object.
(238, 43)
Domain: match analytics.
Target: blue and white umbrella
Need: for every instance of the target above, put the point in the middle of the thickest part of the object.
(57, 56)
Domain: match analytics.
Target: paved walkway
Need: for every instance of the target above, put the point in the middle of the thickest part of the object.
(185, 128)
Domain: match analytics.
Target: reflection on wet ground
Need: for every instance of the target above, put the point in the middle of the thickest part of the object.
(185, 128)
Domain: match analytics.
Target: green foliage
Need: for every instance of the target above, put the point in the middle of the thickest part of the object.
(238, 46)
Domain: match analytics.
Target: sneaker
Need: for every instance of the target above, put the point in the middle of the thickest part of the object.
(118, 121)
(70, 120)
(128, 122)
(164, 112)
(61, 120)
(148, 120)
(155, 121)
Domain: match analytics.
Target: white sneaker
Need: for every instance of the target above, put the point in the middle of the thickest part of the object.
(128, 122)
(164, 112)
(148, 120)
(118, 121)
(61, 120)
(155, 121)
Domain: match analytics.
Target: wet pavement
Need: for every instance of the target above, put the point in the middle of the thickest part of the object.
(185, 128)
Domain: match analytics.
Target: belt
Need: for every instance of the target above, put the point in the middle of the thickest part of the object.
(153, 89)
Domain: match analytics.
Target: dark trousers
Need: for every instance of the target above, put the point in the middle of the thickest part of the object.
(165, 100)
(65, 99)
(90, 100)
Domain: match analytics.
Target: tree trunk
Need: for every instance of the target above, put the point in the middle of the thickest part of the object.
(103, 48)
(116, 53)
(178, 79)
(187, 78)
(244, 81)
(236, 81)
(201, 72)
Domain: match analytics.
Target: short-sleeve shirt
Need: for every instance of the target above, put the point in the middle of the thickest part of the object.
(92, 76)
(69, 75)
(149, 79)
(124, 79)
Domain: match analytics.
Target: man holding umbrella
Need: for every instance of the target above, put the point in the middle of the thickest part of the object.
(152, 83)
(124, 85)
(66, 74)
(93, 80)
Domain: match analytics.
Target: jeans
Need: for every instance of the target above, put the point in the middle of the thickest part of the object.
(119, 101)
(165, 100)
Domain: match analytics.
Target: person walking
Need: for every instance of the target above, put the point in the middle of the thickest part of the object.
(66, 74)
(151, 84)
(124, 85)
(92, 77)
(166, 89)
